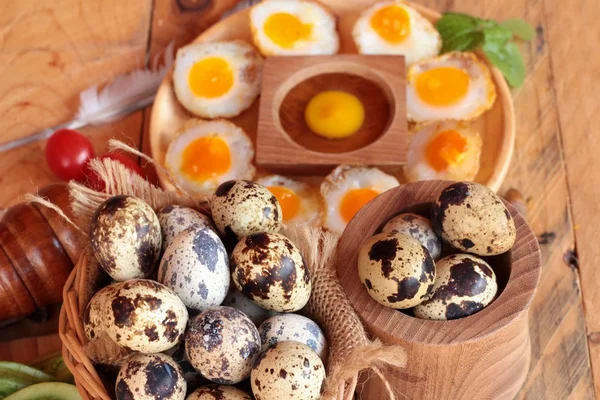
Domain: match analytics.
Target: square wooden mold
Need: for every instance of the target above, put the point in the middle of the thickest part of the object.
(286, 143)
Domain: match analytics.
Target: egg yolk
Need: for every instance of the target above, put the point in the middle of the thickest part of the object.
(288, 200)
(286, 29)
(354, 200)
(205, 158)
(210, 77)
(334, 114)
(445, 149)
(392, 23)
(442, 86)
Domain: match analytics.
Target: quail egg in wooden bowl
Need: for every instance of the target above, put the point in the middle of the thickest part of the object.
(475, 144)
(471, 320)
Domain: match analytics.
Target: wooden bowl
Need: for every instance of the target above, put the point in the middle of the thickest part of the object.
(285, 143)
(497, 126)
(483, 356)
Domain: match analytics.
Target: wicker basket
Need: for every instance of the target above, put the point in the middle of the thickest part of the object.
(71, 332)
(350, 349)
(70, 329)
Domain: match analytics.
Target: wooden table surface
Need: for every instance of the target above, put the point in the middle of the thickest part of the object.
(50, 51)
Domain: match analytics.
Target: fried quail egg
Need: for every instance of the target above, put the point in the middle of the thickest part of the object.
(236, 299)
(293, 28)
(150, 377)
(472, 218)
(288, 370)
(299, 201)
(347, 188)
(219, 79)
(196, 267)
(126, 239)
(218, 392)
(445, 151)
(205, 154)
(452, 86)
(269, 269)
(241, 208)
(392, 27)
(419, 228)
(222, 344)
(465, 284)
(295, 328)
(145, 316)
(94, 316)
(396, 269)
(175, 219)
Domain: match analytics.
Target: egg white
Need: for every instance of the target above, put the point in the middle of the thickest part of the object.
(324, 38)
(424, 41)
(480, 96)
(417, 167)
(240, 148)
(345, 178)
(311, 208)
(246, 64)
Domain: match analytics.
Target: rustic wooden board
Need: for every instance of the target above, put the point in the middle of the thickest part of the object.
(28, 349)
(82, 43)
(575, 70)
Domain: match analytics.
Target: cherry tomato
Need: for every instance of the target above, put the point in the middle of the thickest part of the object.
(94, 181)
(67, 154)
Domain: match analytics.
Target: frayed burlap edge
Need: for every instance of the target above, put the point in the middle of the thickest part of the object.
(350, 349)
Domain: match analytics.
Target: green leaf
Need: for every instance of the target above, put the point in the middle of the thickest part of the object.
(497, 34)
(520, 28)
(508, 59)
(459, 32)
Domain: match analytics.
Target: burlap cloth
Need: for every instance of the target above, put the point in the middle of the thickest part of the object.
(350, 349)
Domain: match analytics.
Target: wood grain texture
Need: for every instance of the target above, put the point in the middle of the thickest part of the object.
(448, 359)
(575, 68)
(285, 142)
(54, 50)
(28, 349)
(99, 36)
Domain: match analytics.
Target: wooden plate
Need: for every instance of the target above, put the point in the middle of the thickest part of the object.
(497, 126)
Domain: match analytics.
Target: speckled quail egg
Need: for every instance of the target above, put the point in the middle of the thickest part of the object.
(175, 219)
(222, 344)
(192, 377)
(218, 392)
(288, 370)
(269, 269)
(94, 316)
(256, 313)
(419, 228)
(126, 239)
(241, 208)
(396, 269)
(472, 218)
(196, 267)
(295, 328)
(150, 377)
(465, 284)
(145, 316)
